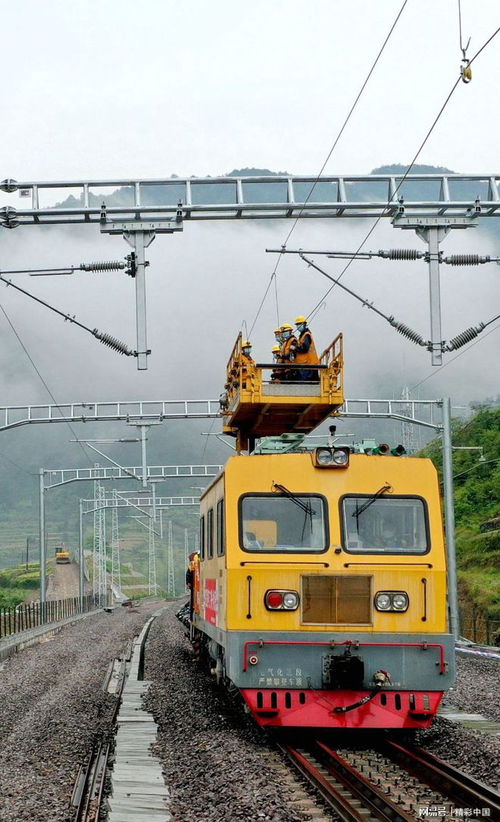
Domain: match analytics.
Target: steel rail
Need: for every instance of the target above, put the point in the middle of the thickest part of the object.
(89, 787)
(344, 789)
(351, 794)
(459, 786)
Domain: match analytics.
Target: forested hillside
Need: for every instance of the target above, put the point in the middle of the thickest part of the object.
(477, 501)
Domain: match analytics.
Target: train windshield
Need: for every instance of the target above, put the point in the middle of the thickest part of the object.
(280, 523)
(393, 526)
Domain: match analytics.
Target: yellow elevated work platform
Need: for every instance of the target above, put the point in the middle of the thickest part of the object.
(263, 400)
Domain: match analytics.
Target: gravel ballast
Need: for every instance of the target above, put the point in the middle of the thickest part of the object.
(475, 691)
(219, 766)
(476, 687)
(52, 710)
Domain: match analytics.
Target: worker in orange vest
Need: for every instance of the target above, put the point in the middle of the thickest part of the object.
(305, 351)
(287, 353)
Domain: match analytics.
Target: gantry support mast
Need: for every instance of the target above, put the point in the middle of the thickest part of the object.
(170, 560)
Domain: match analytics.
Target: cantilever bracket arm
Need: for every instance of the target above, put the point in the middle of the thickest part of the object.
(139, 234)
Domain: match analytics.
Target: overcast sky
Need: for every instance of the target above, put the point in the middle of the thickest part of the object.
(119, 88)
(197, 87)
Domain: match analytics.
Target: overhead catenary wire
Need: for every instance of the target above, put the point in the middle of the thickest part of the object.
(456, 342)
(16, 465)
(42, 380)
(102, 336)
(400, 327)
(384, 211)
(446, 364)
(474, 467)
(328, 157)
(417, 154)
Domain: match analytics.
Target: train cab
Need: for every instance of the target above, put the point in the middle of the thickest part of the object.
(323, 588)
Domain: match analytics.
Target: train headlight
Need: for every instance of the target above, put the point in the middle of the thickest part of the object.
(278, 600)
(400, 602)
(340, 456)
(331, 457)
(324, 457)
(291, 600)
(395, 601)
(383, 602)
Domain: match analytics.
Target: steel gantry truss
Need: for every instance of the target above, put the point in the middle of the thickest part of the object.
(166, 201)
(63, 476)
(431, 204)
(13, 416)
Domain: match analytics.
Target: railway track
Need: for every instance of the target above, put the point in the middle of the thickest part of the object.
(391, 782)
(88, 790)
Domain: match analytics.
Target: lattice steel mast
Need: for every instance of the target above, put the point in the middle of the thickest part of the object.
(115, 547)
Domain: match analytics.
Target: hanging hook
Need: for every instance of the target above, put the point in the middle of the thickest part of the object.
(465, 69)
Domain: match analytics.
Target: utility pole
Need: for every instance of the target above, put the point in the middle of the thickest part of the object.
(170, 560)
(153, 588)
(186, 548)
(449, 518)
(43, 556)
(81, 554)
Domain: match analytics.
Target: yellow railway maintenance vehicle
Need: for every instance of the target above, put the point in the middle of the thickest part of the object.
(63, 556)
(320, 591)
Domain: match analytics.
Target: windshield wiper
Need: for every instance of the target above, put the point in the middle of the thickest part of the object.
(370, 501)
(305, 506)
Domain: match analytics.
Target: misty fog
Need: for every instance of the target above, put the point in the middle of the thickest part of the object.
(202, 286)
(204, 283)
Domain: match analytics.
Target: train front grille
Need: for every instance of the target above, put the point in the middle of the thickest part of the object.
(336, 600)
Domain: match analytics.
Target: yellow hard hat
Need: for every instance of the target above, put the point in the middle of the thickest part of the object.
(278, 330)
(275, 349)
(300, 319)
(246, 344)
(287, 327)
